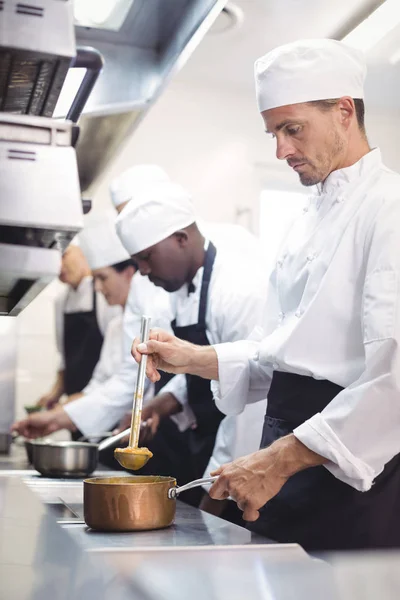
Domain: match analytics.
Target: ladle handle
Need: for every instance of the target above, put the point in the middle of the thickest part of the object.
(175, 491)
(110, 441)
(139, 391)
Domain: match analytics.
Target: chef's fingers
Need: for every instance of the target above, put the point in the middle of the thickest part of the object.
(156, 334)
(219, 490)
(152, 347)
(152, 373)
(154, 423)
(19, 426)
(217, 471)
(249, 512)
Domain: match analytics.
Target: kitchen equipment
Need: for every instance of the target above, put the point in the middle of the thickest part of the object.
(132, 503)
(69, 459)
(132, 457)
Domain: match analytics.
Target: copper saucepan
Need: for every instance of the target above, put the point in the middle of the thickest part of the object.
(132, 503)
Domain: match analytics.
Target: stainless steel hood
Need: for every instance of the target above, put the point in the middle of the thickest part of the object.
(45, 166)
(155, 40)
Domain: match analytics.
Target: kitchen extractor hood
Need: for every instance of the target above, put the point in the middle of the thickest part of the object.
(44, 165)
(153, 42)
(40, 200)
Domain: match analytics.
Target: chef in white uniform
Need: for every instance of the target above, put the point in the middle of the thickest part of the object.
(328, 476)
(112, 270)
(81, 319)
(124, 187)
(216, 295)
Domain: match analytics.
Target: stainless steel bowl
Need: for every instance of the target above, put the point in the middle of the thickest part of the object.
(64, 459)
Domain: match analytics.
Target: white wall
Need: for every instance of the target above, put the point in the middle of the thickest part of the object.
(212, 142)
(207, 140)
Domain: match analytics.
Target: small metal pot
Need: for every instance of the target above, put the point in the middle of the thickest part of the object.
(69, 459)
(132, 503)
(64, 459)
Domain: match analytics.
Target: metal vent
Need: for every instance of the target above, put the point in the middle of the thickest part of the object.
(21, 155)
(30, 10)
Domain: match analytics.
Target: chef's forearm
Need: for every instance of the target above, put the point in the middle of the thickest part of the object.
(293, 456)
(58, 387)
(203, 361)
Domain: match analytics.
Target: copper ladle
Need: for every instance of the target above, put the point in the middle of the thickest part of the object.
(134, 458)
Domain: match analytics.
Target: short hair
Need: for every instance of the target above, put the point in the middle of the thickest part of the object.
(326, 105)
(125, 264)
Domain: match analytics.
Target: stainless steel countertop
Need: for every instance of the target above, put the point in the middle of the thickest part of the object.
(200, 557)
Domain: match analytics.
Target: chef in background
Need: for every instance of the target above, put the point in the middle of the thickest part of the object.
(328, 474)
(112, 270)
(82, 316)
(216, 293)
(124, 187)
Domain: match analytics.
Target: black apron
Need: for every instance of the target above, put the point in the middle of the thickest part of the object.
(314, 508)
(82, 345)
(200, 398)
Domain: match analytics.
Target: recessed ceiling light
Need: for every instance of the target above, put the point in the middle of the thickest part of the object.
(101, 14)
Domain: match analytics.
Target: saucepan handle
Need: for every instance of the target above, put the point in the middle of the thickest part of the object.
(175, 491)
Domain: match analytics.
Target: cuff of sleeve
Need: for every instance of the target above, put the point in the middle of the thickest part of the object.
(231, 391)
(88, 415)
(177, 387)
(184, 419)
(318, 436)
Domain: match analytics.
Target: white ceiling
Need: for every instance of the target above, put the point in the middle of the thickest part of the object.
(226, 59)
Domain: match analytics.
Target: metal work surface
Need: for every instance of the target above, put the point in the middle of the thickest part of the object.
(192, 528)
(200, 557)
(38, 560)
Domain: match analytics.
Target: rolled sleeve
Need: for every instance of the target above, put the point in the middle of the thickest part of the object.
(242, 379)
(319, 437)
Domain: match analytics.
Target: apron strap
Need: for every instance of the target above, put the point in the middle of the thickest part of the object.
(208, 267)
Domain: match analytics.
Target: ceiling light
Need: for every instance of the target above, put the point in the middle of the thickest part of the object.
(375, 27)
(101, 14)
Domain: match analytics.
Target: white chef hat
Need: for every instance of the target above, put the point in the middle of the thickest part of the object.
(154, 214)
(309, 70)
(125, 186)
(99, 241)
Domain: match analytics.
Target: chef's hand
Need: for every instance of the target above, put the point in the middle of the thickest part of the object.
(47, 401)
(254, 479)
(160, 407)
(43, 423)
(149, 426)
(168, 353)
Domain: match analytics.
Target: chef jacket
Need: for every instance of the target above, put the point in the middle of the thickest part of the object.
(110, 356)
(235, 306)
(333, 313)
(101, 408)
(72, 300)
